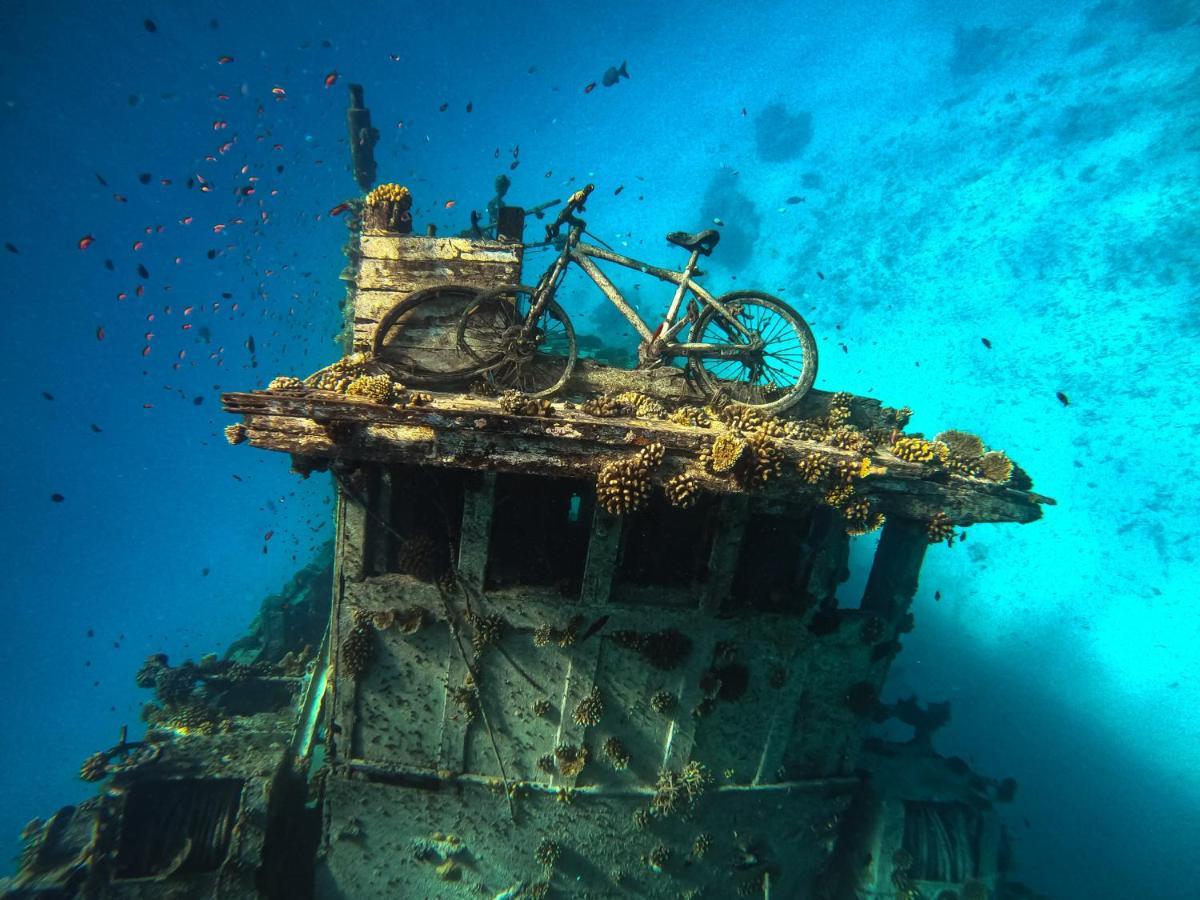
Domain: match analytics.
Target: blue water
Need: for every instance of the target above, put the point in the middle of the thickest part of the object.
(1025, 172)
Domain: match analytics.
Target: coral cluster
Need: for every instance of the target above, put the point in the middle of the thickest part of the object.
(376, 388)
(408, 621)
(674, 789)
(517, 404)
(860, 516)
(623, 485)
(337, 377)
(616, 753)
(571, 759)
(919, 450)
(701, 845)
(389, 193)
(564, 637)
(285, 383)
(939, 529)
(681, 490)
(658, 858)
(486, 630)
(419, 556)
(590, 708)
(664, 649)
(235, 433)
(94, 767)
(358, 649)
(967, 456)
(466, 698)
(662, 702)
(548, 853)
(696, 416)
(722, 456)
(541, 707)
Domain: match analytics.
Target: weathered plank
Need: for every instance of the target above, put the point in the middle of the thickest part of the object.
(419, 248)
(473, 433)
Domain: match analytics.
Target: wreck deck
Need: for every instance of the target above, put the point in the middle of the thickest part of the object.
(463, 431)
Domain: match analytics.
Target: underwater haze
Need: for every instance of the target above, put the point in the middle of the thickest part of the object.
(987, 212)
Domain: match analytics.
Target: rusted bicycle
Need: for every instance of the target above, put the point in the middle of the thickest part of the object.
(749, 346)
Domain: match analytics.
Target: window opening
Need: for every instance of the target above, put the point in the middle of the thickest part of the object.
(540, 531)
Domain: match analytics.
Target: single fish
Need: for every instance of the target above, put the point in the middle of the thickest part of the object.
(224, 60)
(149, 25)
(1062, 398)
(11, 247)
(591, 86)
(613, 75)
(86, 241)
(331, 79)
(986, 343)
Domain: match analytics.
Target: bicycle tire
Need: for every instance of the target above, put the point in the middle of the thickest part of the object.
(795, 379)
(423, 365)
(488, 333)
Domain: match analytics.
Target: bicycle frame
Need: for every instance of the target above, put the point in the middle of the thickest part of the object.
(661, 339)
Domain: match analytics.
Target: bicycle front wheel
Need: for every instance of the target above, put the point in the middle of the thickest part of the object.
(537, 361)
(772, 377)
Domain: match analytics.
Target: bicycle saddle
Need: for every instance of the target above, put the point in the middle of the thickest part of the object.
(703, 241)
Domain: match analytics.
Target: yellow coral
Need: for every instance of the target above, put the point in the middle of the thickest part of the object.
(642, 404)
(622, 486)
(389, 193)
(940, 528)
(285, 383)
(681, 490)
(376, 388)
(914, 449)
(996, 466)
(651, 456)
(814, 467)
(726, 452)
(235, 433)
(765, 460)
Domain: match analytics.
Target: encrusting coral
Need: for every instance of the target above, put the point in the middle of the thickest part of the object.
(285, 383)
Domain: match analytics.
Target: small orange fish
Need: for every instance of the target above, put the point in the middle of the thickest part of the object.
(100, 333)
(268, 535)
(146, 350)
(219, 124)
(339, 209)
(591, 87)
(137, 245)
(278, 91)
(331, 79)
(86, 241)
(450, 204)
(224, 60)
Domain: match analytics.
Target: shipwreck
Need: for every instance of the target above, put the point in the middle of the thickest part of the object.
(582, 645)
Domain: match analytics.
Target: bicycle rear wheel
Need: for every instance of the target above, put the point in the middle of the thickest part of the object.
(416, 338)
(491, 330)
(772, 378)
